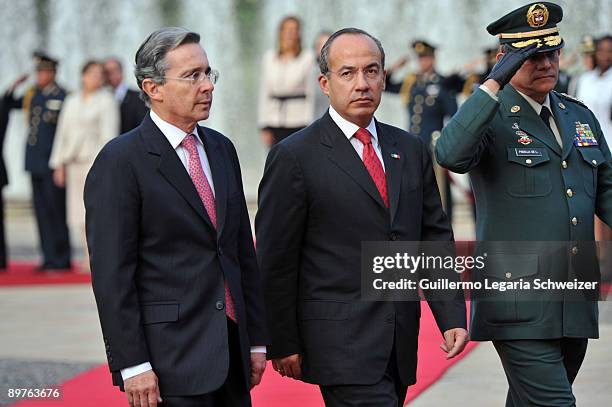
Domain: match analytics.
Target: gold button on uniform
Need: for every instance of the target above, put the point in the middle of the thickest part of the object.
(564, 164)
(569, 192)
(574, 221)
(508, 274)
(528, 161)
(574, 250)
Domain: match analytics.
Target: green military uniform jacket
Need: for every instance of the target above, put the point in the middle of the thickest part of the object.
(532, 191)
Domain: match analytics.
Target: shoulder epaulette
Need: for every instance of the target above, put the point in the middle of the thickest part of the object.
(570, 98)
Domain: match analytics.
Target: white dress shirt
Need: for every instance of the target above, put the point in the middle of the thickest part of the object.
(175, 136)
(349, 129)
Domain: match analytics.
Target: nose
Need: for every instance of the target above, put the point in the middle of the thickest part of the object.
(206, 86)
(361, 82)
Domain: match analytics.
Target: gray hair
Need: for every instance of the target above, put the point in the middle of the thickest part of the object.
(151, 56)
(323, 62)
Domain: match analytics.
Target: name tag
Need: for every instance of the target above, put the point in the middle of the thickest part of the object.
(528, 152)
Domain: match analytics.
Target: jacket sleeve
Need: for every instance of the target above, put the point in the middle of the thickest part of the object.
(448, 306)
(279, 227)
(249, 269)
(465, 138)
(112, 204)
(603, 204)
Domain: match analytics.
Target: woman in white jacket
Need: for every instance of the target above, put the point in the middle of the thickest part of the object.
(89, 119)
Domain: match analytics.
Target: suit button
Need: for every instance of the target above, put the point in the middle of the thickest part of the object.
(393, 236)
(594, 162)
(575, 250)
(219, 305)
(569, 192)
(508, 274)
(110, 359)
(528, 161)
(564, 164)
(574, 221)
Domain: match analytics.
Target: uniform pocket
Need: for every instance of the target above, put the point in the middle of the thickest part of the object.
(593, 157)
(510, 306)
(529, 175)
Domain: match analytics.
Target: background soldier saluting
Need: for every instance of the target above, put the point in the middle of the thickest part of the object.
(540, 169)
(41, 105)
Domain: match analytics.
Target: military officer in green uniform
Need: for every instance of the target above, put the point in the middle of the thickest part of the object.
(540, 168)
(429, 101)
(41, 105)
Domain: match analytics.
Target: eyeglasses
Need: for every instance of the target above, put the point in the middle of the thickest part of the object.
(349, 74)
(199, 76)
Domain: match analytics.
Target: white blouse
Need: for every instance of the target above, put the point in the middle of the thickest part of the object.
(286, 96)
(84, 127)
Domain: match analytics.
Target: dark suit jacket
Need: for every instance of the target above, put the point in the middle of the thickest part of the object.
(317, 203)
(158, 265)
(132, 110)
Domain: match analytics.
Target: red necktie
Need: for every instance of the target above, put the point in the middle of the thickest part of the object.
(372, 164)
(205, 191)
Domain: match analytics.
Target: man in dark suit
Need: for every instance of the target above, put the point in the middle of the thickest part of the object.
(172, 258)
(344, 180)
(132, 109)
(41, 105)
(541, 169)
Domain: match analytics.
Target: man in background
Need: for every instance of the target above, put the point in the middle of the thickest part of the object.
(41, 105)
(132, 108)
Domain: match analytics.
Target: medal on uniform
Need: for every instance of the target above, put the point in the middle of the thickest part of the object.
(515, 126)
(584, 136)
(524, 139)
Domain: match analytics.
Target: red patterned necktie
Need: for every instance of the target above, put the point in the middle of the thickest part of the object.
(372, 163)
(205, 191)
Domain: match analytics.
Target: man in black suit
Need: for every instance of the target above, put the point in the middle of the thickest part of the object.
(344, 180)
(131, 107)
(172, 258)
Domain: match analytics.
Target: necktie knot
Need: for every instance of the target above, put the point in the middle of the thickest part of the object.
(189, 142)
(364, 136)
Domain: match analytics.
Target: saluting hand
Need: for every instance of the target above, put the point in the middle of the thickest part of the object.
(509, 63)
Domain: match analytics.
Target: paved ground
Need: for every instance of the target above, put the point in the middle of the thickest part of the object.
(48, 334)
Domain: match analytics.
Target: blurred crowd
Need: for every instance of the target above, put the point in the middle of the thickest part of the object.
(66, 131)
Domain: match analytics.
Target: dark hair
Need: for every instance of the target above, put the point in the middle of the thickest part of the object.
(151, 55)
(88, 64)
(324, 63)
(601, 39)
(285, 20)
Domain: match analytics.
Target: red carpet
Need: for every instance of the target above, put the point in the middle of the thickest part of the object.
(22, 273)
(93, 388)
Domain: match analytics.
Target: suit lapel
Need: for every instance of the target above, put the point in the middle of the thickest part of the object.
(219, 176)
(346, 158)
(564, 124)
(171, 167)
(393, 168)
(527, 119)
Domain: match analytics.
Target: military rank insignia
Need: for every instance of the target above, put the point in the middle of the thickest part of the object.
(584, 136)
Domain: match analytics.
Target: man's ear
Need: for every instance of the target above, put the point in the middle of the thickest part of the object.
(153, 89)
(324, 84)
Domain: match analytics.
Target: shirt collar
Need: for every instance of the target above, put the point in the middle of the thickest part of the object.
(174, 135)
(535, 105)
(349, 129)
